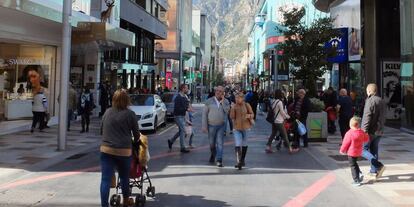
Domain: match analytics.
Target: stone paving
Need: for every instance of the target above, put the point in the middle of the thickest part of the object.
(24, 150)
(396, 152)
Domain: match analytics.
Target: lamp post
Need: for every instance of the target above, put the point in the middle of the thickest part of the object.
(64, 75)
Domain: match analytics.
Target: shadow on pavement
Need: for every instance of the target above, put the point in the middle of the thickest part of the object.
(172, 200)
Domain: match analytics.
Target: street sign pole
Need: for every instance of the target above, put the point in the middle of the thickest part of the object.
(64, 75)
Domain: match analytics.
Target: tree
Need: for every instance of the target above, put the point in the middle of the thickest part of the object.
(304, 46)
(218, 79)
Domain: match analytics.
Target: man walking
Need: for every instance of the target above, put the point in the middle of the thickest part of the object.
(344, 109)
(373, 121)
(214, 115)
(181, 106)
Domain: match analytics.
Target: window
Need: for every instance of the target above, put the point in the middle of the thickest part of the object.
(142, 3)
(142, 100)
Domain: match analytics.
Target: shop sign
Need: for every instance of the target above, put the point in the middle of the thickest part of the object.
(391, 88)
(275, 40)
(21, 61)
(340, 45)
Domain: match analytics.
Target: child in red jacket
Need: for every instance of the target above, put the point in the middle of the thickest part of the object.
(352, 146)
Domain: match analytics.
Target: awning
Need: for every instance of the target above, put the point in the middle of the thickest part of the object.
(102, 36)
(173, 55)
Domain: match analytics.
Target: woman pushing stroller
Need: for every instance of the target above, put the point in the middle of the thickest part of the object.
(118, 123)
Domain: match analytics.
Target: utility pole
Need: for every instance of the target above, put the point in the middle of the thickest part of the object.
(275, 71)
(180, 30)
(64, 75)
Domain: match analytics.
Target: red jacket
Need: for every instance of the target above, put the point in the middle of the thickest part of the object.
(353, 142)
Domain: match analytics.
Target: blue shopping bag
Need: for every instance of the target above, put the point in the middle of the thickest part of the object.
(301, 128)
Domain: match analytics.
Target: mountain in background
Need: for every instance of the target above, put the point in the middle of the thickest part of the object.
(231, 20)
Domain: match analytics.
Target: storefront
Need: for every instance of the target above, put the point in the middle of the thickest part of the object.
(407, 65)
(15, 91)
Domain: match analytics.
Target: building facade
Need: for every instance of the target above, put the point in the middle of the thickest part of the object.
(31, 34)
(266, 34)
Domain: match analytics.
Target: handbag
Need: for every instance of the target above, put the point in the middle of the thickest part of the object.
(271, 114)
(301, 128)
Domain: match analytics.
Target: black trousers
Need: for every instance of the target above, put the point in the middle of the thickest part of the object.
(39, 117)
(355, 171)
(344, 125)
(85, 121)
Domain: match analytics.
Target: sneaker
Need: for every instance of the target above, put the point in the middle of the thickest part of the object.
(170, 144)
(219, 163)
(361, 177)
(268, 149)
(356, 184)
(380, 172)
(185, 150)
(191, 147)
(372, 176)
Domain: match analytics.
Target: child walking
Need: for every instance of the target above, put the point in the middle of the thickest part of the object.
(352, 146)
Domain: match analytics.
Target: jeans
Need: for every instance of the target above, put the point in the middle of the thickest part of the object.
(275, 129)
(180, 121)
(190, 139)
(240, 138)
(108, 164)
(39, 117)
(355, 171)
(370, 153)
(215, 136)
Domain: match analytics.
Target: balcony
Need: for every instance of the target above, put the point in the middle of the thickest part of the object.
(135, 14)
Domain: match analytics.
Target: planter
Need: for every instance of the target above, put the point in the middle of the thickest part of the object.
(317, 124)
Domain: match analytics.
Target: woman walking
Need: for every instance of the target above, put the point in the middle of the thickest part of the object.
(243, 118)
(278, 124)
(118, 123)
(85, 108)
(40, 104)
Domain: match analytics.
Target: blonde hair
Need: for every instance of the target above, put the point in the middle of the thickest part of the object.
(372, 88)
(121, 100)
(355, 122)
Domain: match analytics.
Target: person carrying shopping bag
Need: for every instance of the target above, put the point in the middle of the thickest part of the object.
(243, 119)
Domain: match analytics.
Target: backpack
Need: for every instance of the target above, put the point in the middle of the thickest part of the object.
(271, 114)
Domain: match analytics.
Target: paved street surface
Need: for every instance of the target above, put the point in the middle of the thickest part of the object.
(311, 177)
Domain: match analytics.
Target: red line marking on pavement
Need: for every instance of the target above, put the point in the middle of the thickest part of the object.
(312, 191)
(47, 177)
(95, 168)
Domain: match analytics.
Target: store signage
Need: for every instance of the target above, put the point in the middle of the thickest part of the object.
(275, 40)
(340, 44)
(22, 61)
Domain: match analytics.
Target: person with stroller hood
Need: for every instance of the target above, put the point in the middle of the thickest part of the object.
(118, 123)
(242, 116)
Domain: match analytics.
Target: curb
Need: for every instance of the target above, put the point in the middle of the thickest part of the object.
(373, 198)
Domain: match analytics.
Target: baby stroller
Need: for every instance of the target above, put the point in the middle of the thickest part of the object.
(138, 175)
(291, 127)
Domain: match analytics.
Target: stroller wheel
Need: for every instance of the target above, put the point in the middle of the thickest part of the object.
(140, 200)
(115, 200)
(151, 191)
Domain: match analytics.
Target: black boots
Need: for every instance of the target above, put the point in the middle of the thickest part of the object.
(243, 156)
(240, 156)
(238, 152)
(213, 155)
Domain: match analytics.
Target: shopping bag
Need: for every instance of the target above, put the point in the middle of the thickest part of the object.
(301, 128)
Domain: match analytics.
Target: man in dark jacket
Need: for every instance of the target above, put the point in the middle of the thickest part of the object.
(301, 108)
(373, 121)
(181, 106)
(344, 108)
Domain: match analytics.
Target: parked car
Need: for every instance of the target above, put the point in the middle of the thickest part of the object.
(168, 99)
(150, 111)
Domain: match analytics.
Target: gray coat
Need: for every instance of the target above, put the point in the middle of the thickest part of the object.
(213, 115)
(373, 119)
